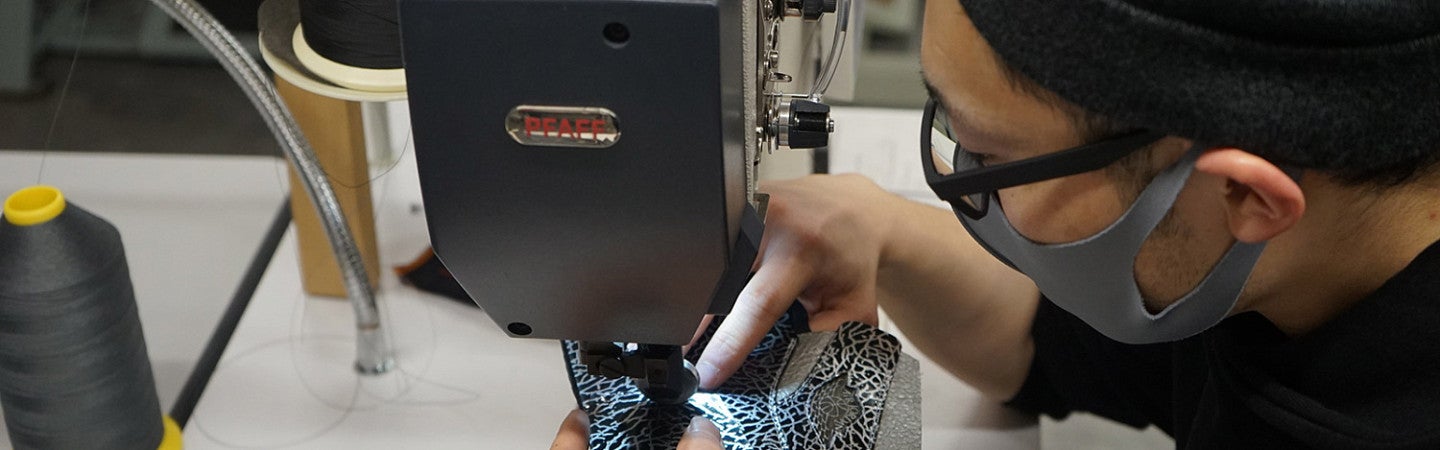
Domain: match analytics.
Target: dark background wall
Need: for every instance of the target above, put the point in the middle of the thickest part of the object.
(124, 96)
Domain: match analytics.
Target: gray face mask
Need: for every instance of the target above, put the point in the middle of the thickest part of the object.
(1094, 278)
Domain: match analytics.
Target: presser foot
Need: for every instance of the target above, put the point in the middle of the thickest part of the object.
(660, 371)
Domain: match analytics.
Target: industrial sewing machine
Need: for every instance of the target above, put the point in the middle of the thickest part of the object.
(588, 166)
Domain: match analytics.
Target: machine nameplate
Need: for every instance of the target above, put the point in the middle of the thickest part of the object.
(563, 126)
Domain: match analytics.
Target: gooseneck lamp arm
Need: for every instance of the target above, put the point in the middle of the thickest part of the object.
(373, 352)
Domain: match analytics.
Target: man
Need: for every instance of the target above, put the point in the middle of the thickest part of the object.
(1222, 215)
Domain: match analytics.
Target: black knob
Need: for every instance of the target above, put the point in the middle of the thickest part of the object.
(809, 124)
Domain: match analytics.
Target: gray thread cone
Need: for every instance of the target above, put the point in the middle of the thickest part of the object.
(74, 371)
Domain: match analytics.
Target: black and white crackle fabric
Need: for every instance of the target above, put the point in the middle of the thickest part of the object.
(848, 389)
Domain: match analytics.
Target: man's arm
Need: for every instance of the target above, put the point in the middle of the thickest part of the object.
(957, 304)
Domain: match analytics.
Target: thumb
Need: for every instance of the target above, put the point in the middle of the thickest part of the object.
(855, 306)
(574, 433)
(701, 435)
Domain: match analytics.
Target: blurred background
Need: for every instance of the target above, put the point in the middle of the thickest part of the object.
(141, 84)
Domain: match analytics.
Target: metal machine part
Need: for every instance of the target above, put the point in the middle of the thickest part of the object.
(652, 366)
(810, 10)
(796, 120)
(373, 354)
(587, 166)
(803, 124)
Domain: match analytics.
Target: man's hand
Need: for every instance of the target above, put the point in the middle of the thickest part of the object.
(824, 236)
(575, 434)
(842, 246)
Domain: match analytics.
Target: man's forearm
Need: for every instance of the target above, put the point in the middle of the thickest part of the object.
(960, 306)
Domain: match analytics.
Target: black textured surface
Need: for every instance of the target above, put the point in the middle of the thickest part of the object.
(839, 402)
(74, 371)
(1342, 85)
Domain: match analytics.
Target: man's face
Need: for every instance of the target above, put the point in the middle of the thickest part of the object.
(1000, 123)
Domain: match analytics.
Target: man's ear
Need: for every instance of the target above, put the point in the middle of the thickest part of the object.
(1261, 200)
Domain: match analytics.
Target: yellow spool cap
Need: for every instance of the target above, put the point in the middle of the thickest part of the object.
(34, 205)
(173, 436)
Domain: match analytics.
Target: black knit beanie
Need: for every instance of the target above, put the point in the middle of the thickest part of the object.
(1350, 86)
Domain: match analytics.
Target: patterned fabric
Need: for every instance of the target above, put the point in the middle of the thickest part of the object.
(837, 403)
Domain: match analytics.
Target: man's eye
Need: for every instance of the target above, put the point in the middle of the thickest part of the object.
(975, 159)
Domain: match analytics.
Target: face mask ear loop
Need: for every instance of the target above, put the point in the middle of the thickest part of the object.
(1239, 251)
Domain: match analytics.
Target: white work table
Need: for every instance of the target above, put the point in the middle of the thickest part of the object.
(286, 380)
(190, 225)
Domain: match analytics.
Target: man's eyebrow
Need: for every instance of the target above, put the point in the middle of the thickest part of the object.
(961, 121)
(935, 94)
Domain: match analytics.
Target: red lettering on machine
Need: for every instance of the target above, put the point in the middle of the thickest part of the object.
(563, 126)
(547, 127)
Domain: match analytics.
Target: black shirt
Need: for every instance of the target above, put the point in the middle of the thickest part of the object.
(1370, 378)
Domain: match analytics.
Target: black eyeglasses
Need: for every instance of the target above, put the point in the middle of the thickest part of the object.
(968, 185)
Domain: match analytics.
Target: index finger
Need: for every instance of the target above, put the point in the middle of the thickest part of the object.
(768, 295)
